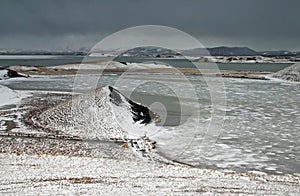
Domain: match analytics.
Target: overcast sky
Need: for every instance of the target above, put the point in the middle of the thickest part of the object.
(61, 24)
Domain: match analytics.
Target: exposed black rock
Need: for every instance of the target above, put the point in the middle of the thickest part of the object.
(140, 113)
(7, 73)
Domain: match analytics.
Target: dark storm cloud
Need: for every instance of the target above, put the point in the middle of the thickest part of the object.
(262, 24)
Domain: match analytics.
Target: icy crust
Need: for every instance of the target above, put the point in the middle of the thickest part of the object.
(88, 116)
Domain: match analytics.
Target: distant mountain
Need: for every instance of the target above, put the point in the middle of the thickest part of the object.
(217, 51)
(232, 51)
(160, 52)
(221, 51)
(150, 52)
(80, 52)
(196, 52)
(279, 53)
(238, 51)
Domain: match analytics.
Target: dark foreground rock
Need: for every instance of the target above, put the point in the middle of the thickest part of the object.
(8, 73)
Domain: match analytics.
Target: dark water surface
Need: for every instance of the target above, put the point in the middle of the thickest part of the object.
(51, 60)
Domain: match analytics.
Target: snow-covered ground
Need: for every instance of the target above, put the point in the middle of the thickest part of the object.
(64, 175)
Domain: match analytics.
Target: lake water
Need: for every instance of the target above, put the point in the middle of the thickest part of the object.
(184, 63)
(261, 129)
(50, 60)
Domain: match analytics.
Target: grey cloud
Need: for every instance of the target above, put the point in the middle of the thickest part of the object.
(267, 24)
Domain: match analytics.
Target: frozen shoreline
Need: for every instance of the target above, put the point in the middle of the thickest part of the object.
(134, 68)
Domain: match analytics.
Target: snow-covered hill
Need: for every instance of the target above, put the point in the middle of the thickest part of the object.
(291, 73)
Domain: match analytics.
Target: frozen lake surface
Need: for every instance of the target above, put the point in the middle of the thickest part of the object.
(261, 129)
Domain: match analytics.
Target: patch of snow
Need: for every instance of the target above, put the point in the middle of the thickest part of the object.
(23, 68)
(10, 97)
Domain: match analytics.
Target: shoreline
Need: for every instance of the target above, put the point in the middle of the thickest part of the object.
(53, 71)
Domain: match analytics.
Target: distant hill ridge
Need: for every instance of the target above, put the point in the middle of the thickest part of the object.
(238, 51)
(162, 52)
(222, 51)
(215, 51)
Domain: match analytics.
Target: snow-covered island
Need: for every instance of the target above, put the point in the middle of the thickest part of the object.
(215, 55)
(245, 59)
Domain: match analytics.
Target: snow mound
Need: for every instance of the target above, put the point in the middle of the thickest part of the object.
(100, 114)
(104, 114)
(291, 73)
